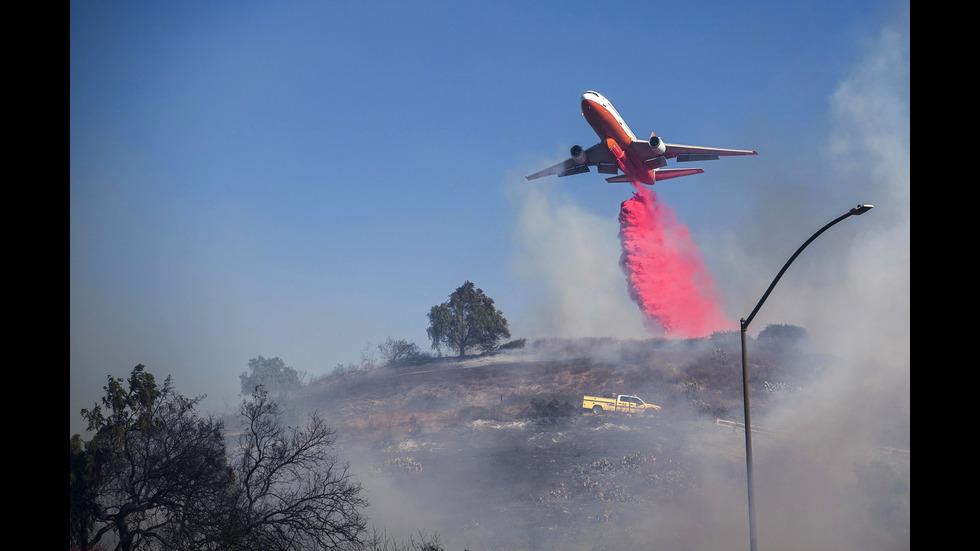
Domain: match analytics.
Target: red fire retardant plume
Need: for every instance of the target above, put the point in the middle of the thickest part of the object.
(665, 272)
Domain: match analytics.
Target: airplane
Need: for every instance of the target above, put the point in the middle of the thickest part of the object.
(641, 161)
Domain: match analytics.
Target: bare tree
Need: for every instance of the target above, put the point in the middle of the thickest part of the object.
(293, 493)
(379, 540)
(157, 476)
(394, 352)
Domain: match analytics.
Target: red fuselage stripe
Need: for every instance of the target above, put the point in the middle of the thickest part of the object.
(607, 127)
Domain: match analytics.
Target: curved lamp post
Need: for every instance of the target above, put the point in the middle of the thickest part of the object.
(860, 209)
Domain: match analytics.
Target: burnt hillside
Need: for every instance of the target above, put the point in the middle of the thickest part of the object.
(495, 452)
(701, 375)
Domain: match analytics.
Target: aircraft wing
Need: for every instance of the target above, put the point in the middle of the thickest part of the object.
(597, 155)
(685, 153)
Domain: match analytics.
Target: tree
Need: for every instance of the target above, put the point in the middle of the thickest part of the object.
(783, 337)
(468, 319)
(292, 493)
(271, 374)
(155, 475)
(394, 352)
(82, 477)
(152, 475)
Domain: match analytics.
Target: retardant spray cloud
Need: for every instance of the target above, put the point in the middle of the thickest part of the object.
(665, 271)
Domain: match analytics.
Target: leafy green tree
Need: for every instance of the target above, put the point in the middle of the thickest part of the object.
(153, 476)
(270, 373)
(469, 319)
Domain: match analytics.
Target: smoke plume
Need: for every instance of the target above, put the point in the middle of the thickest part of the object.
(665, 271)
(566, 258)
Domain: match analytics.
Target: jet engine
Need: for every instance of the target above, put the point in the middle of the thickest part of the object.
(578, 154)
(657, 144)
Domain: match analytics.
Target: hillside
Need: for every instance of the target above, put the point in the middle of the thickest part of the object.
(495, 452)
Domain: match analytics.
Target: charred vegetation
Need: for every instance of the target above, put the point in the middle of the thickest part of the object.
(499, 444)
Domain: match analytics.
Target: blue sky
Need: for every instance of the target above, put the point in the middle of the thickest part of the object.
(303, 179)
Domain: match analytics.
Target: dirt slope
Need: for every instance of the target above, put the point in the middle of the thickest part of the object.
(499, 452)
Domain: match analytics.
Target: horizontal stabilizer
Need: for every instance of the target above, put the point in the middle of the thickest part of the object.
(668, 173)
(659, 174)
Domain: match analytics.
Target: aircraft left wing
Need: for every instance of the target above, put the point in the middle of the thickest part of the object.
(685, 153)
(597, 155)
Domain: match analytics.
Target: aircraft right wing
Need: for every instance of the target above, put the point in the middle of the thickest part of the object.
(597, 155)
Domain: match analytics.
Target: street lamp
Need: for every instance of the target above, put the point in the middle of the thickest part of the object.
(858, 210)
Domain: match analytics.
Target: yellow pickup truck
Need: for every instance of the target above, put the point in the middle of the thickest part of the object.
(623, 403)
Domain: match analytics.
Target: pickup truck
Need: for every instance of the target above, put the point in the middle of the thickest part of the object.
(623, 403)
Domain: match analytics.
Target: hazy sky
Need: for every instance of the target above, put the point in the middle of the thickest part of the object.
(303, 179)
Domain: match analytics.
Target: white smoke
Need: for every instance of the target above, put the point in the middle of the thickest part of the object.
(854, 298)
(570, 259)
(851, 290)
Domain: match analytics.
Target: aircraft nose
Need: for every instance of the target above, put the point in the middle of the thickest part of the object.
(588, 103)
